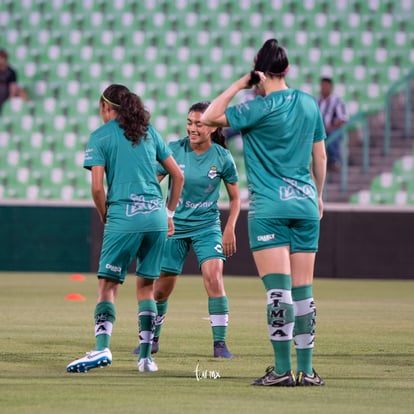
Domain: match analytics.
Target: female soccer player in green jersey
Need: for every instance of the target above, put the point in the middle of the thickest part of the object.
(127, 149)
(284, 152)
(205, 162)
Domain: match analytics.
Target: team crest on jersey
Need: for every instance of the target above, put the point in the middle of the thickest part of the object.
(213, 172)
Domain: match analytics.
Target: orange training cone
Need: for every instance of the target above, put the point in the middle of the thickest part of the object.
(78, 277)
(75, 296)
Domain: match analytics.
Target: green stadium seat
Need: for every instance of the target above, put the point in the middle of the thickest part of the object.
(14, 191)
(32, 192)
(5, 140)
(362, 197)
(409, 186)
(385, 189)
(16, 108)
(403, 170)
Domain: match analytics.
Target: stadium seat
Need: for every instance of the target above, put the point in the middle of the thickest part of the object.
(403, 170)
(362, 197)
(385, 189)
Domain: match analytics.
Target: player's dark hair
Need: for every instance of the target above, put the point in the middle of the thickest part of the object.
(327, 80)
(4, 54)
(133, 118)
(217, 136)
(271, 59)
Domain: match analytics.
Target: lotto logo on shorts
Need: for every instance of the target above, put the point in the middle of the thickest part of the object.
(115, 269)
(266, 237)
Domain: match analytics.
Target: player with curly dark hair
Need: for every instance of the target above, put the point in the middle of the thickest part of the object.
(127, 150)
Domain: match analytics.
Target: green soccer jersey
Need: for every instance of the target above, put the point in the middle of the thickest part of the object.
(197, 208)
(278, 132)
(134, 196)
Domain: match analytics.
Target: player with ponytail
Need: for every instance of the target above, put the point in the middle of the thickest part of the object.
(284, 151)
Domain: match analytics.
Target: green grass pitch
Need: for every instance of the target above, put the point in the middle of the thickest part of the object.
(364, 350)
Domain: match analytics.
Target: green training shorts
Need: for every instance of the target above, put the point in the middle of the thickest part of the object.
(301, 235)
(119, 249)
(207, 244)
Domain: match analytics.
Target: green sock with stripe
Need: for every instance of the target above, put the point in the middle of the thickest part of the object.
(280, 318)
(159, 320)
(304, 331)
(147, 311)
(105, 316)
(218, 309)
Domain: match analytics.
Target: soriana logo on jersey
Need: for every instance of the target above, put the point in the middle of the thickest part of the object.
(213, 172)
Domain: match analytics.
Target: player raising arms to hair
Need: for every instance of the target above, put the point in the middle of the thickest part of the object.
(283, 135)
(205, 163)
(127, 150)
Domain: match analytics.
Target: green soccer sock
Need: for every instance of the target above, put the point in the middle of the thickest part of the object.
(159, 320)
(105, 316)
(280, 318)
(304, 331)
(218, 309)
(147, 311)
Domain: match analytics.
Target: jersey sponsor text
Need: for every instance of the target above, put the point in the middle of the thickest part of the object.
(142, 206)
(203, 204)
(294, 191)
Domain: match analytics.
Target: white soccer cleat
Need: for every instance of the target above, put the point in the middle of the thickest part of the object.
(93, 359)
(147, 365)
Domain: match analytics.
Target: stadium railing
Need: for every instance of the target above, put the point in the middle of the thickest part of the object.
(360, 121)
(402, 84)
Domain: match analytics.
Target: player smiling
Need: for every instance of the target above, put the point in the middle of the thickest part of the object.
(205, 162)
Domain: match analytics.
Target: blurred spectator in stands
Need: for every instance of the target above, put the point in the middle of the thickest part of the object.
(334, 116)
(9, 87)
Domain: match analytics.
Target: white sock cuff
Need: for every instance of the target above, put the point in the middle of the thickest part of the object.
(304, 307)
(219, 320)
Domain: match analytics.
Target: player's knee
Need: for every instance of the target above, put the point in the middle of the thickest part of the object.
(163, 288)
(214, 285)
(160, 296)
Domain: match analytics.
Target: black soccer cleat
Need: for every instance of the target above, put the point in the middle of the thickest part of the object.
(304, 379)
(272, 379)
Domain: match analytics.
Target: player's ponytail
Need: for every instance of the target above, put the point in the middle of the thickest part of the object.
(218, 137)
(133, 118)
(271, 59)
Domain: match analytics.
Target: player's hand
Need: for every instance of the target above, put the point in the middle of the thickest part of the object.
(320, 205)
(229, 243)
(171, 227)
(244, 81)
